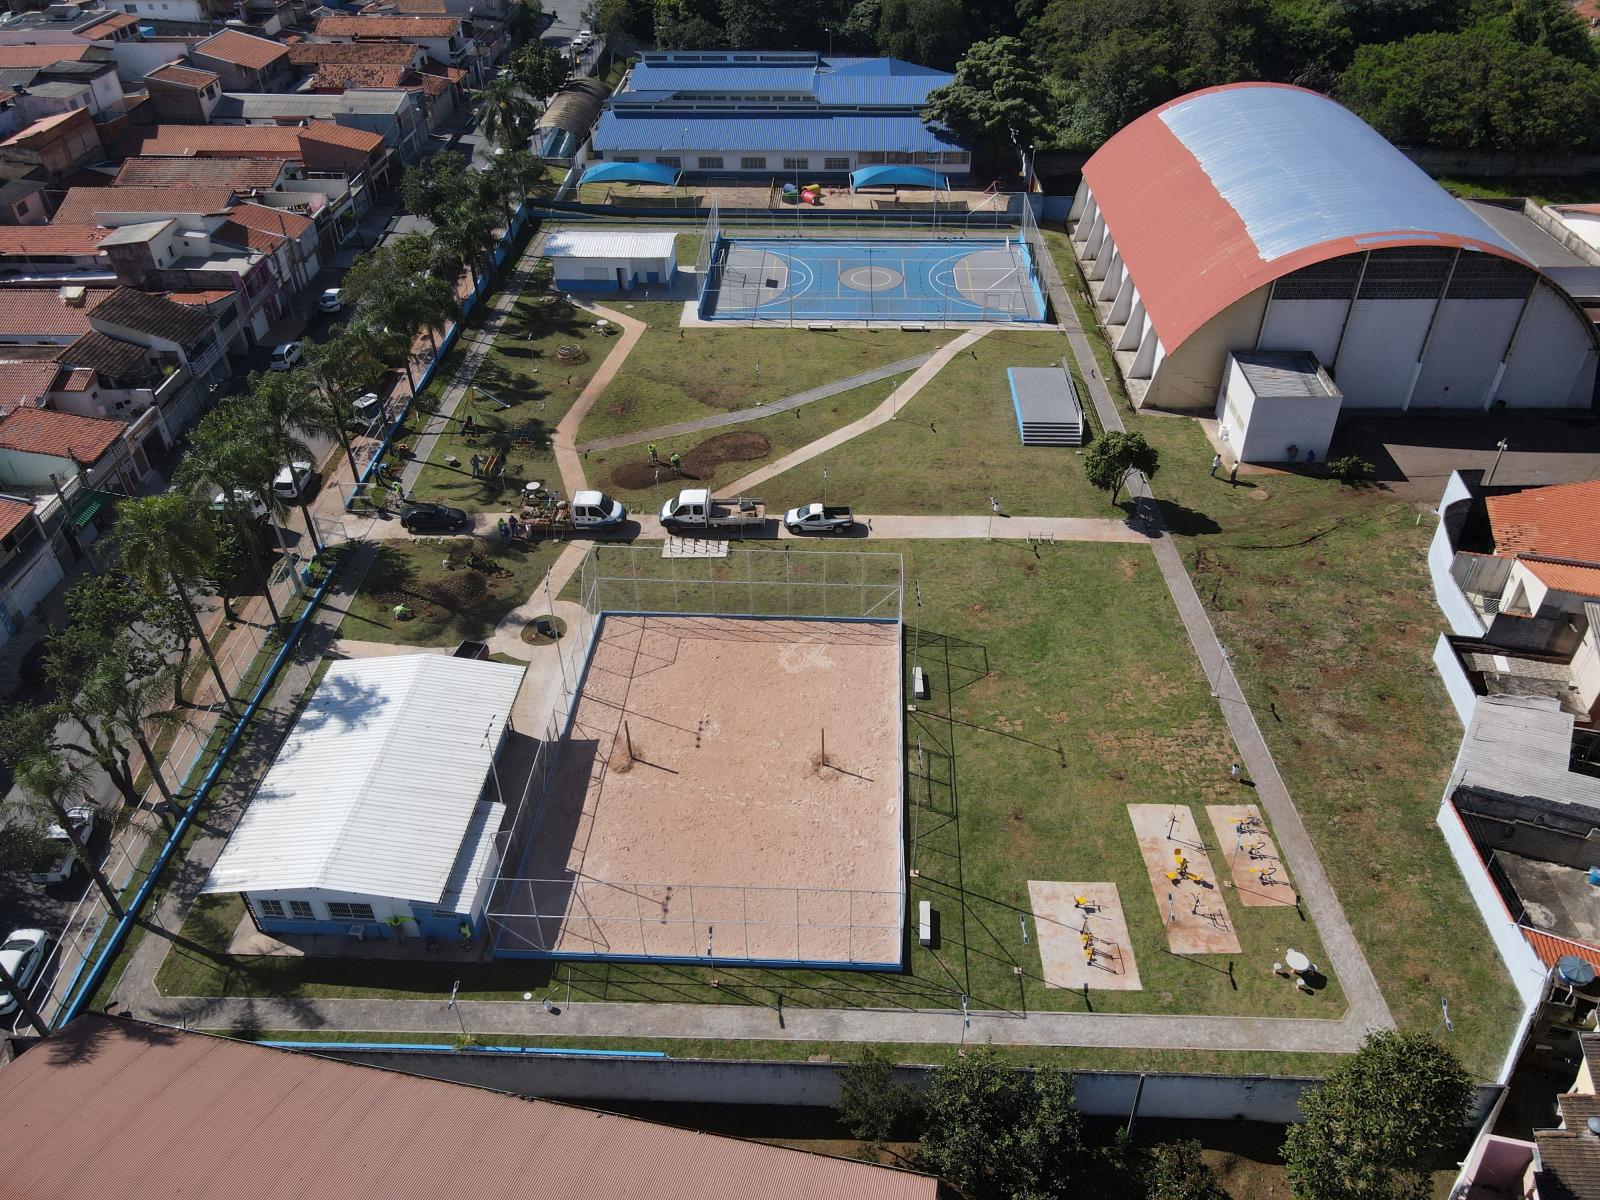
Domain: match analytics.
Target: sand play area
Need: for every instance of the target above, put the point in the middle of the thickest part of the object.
(731, 790)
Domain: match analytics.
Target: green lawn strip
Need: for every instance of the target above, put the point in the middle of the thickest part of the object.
(523, 371)
(1081, 1058)
(1541, 189)
(1321, 594)
(449, 604)
(706, 372)
(1074, 693)
(783, 432)
(953, 446)
(1072, 278)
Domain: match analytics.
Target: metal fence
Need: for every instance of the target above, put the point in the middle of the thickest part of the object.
(582, 916)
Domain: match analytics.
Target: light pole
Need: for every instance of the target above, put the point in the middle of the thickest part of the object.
(1499, 449)
(1216, 678)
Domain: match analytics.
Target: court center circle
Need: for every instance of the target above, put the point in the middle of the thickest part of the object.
(871, 278)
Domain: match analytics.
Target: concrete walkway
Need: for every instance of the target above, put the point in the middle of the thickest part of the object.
(1349, 963)
(568, 461)
(732, 1022)
(881, 415)
(788, 403)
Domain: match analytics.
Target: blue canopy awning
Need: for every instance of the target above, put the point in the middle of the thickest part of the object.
(621, 172)
(898, 177)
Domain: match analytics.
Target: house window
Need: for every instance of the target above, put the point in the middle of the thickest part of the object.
(349, 912)
(711, 162)
(300, 910)
(627, 158)
(868, 157)
(752, 163)
(796, 164)
(669, 160)
(270, 908)
(836, 164)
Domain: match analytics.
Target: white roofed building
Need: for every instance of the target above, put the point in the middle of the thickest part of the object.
(612, 260)
(381, 810)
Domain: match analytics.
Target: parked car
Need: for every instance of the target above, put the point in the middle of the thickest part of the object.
(22, 954)
(285, 356)
(61, 862)
(245, 499)
(820, 518)
(294, 482)
(332, 300)
(421, 517)
(366, 409)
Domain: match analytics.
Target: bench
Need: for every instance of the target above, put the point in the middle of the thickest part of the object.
(925, 922)
(822, 327)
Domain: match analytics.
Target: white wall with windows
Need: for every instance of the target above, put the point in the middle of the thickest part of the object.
(804, 162)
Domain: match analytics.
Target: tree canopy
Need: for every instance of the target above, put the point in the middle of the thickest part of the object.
(998, 96)
(1380, 1123)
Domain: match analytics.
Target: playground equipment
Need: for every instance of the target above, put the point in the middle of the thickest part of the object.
(1183, 872)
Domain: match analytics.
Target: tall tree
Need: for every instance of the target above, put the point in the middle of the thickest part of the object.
(435, 183)
(336, 372)
(226, 454)
(467, 233)
(168, 544)
(51, 786)
(998, 96)
(1113, 457)
(1380, 1123)
(997, 1133)
(285, 410)
(872, 1106)
(506, 113)
(509, 179)
(538, 69)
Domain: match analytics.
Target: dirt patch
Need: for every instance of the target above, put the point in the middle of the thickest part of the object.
(459, 589)
(700, 464)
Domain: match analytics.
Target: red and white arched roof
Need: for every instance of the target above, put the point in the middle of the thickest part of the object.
(1220, 192)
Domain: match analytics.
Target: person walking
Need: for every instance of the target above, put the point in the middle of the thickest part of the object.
(1233, 476)
(1216, 461)
(653, 458)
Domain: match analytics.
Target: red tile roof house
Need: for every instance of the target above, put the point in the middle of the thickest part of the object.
(182, 337)
(58, 145)
(444, 38)
(181, 93)
(96, 377)
(40, 448)
(54, 253)
(1553, 534)
(245, 63)
(29, 566)
(319, 147)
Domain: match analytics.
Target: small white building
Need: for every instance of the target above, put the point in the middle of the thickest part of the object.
(611, 260)
(381, 810)
(1277, 406)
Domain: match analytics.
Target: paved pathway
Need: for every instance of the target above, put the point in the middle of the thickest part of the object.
(884, 413)
(564, 442)
(718, 420)
(1367, 1006)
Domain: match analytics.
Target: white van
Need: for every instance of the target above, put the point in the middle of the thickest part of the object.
(294, 481)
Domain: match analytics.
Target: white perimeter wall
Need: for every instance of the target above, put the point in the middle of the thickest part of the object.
(1464, 619)
(1304, 325)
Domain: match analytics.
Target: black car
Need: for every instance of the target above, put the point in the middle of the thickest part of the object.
(432, 516)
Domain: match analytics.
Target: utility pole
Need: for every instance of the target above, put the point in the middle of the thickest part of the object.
(1499, 449)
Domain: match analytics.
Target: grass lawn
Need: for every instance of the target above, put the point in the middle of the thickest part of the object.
(1541, 189)
(953, 446)
(1321, 594)
(1063, 689)
(705, 372)
(753, 442)
(450, 604)
(522, 369)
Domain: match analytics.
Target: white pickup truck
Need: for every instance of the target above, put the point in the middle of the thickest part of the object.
(695, 508)
(596, 510)
(820, 518)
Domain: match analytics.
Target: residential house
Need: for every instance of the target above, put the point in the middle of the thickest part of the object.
(242, 176)
(29, 568)
(443, 38)
(66, 24)
(119, 380)
(56, 145)
(45, 316)
(397, 115)
(183, 94)
(177, 336)
(162, 255)
(123, 26)
(59, 253)
(245, 63)
(789, 114)
(95, 70)
(288, 238)
(319, 146)
(197, 11)
(114, 206)
(22, 200)
(311, 57)
(499, 10)
(40, 448)
(441, 94)
(82, 391)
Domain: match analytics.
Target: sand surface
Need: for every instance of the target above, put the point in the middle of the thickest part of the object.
(1061, 924)
(694, 808)
(1192, 909)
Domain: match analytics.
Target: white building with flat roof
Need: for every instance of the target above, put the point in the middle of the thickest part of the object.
(611, 259)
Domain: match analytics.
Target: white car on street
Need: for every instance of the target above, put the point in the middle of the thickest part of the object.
(285, 356)
(22, 954)
(61, 861)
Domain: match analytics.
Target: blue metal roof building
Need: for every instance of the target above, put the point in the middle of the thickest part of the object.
(766, 113)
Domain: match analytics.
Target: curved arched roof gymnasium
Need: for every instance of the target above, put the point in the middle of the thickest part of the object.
(1220, 192)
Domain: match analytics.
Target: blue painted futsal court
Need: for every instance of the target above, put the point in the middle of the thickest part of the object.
(872, 279)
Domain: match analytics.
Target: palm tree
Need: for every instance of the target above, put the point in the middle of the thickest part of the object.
(466, 233)
(425, 302)
(284, 409)
(506, 115)
(167, 543)
(51, 785)
(225, 452)
(510, 177)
